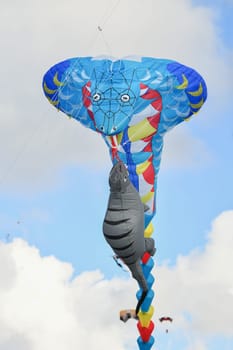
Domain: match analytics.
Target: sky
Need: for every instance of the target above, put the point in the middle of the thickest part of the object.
(59, 286)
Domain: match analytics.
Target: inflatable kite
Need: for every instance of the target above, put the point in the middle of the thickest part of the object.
(131, 103)
(123, 225)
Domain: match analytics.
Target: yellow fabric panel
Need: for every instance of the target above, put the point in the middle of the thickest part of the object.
(47, 90)
(184, 84)
(197, 105)
(149, 230)
(147, 197)
(142, 167)
(145, 317)
(55, 102)
(56, 81)
(119, 137)
(140, 130)
(198, 92)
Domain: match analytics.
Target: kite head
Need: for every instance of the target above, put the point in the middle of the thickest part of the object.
(119, 178)
(111, 99)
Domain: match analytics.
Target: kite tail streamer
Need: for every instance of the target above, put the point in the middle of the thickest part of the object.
(145, 325)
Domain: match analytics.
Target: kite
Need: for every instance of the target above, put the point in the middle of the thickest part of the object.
(131, 102)
(123, 225)
(165, 319)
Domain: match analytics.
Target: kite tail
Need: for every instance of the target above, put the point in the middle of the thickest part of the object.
(137, 273)
(140, 301)
(145, 325)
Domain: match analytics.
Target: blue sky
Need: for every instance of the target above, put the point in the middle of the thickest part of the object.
(54, 178)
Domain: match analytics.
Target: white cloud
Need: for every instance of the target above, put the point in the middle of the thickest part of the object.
(181, 149)
(36, 141)
(197, 291)
(43, 305)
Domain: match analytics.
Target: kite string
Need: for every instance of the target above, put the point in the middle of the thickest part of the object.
(18, 155)
(25, 144)
(107, 15)
(107, 45)
(100, 27)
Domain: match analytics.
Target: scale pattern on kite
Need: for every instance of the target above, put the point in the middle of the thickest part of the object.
(132, 103)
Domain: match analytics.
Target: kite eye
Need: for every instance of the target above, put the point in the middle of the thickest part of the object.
(125, 98)
(96, 97)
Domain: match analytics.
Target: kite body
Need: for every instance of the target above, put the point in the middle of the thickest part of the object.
(132, 103)
(123, 225)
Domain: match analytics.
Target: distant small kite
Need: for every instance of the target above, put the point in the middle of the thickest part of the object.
(166, 319)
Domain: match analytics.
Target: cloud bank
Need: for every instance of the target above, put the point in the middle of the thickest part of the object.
(43, 305)
(202, 283)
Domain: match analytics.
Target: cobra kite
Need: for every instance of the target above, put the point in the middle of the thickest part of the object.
(132, 103)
